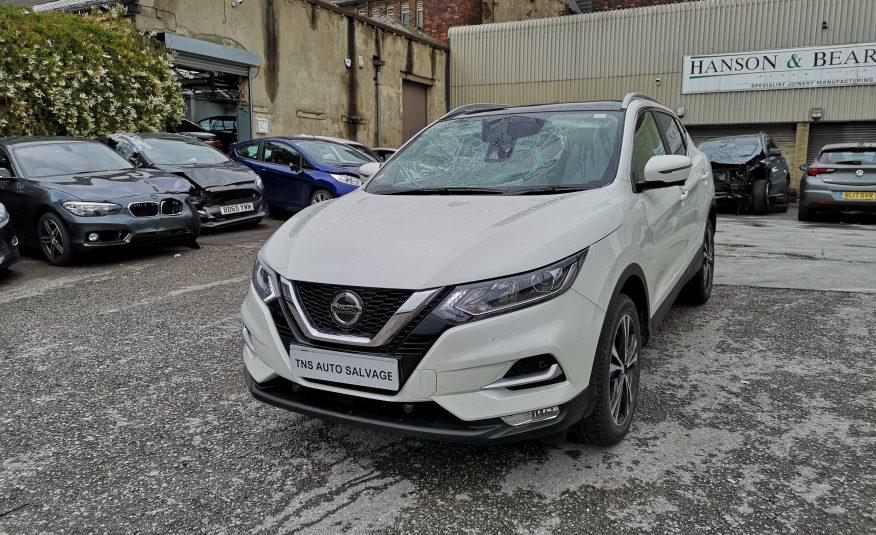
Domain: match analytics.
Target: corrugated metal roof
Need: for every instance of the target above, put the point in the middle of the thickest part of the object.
(607, 54)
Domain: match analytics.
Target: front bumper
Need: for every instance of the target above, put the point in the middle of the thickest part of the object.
(452, 372)
(424, 420)
(125, 229)
(8, 247)
(209, 207)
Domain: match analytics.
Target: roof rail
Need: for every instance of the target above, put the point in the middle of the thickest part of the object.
(467, 108)
(630, 97)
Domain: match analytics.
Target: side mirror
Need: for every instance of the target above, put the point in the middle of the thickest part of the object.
(295, 166)
(5, 173)
(667, 170)
(804, 167)
(369, 170)
(775, 152)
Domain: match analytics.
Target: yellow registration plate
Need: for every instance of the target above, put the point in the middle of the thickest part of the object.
(859, 196)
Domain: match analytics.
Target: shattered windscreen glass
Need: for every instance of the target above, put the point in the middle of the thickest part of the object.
(508, 152)
(736, 150)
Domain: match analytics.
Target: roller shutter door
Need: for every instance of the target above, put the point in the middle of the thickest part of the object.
(821, 134)
(785, 135)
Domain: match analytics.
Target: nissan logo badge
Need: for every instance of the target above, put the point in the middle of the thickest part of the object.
(346, 309)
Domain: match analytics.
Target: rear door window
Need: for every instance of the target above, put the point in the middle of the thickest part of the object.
(249, 151)
(278, 154)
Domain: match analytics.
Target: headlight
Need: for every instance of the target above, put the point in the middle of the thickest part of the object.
(92, 209)
(258, 183)
(4, 215)
(264, 281)
(475, 301)
(347, 179)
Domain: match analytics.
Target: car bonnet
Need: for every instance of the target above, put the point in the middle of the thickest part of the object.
(418, 242)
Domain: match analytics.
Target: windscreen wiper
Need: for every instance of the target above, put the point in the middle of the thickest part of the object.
(448, 191)
(547, 190)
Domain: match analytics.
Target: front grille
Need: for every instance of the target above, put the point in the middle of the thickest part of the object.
(236, 196)
(171, 207)
(144, 209)
(378, 305)
(409, 346)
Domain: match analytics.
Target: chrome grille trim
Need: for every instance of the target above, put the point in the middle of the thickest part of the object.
(143, 205)
(408, 310)
(171, 207)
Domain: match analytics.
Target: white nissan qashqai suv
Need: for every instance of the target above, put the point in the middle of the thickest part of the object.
(495, 280)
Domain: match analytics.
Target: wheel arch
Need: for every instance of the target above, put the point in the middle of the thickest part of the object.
(633, 284)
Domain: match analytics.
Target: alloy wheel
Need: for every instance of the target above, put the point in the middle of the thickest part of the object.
(320, 196)
(623, 372)
(51, 239)
(708, 259)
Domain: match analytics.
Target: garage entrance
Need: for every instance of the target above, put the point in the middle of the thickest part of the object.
(414, 108)
(216, 80)
(821, 134)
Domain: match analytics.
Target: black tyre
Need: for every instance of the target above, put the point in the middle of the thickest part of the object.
(320, 195)
(804, 213)
(760, 196)
(55, 242)
(698, 290)
(615, 377)
(782, 203)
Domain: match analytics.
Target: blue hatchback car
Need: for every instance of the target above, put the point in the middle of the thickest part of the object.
(300, 171)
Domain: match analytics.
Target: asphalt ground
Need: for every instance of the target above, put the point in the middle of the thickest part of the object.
(123, 409)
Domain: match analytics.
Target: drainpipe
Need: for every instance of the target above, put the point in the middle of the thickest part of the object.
(378, 63)
(249, 104)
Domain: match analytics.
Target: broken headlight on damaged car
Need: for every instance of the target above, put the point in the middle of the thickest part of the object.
(482, 299)
(264, 281)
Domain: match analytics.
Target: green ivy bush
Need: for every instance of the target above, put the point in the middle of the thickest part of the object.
(82, 75)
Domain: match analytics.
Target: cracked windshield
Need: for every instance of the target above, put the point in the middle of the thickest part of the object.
(507, 154)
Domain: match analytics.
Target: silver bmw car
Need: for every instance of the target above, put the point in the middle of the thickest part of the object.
(843, 178)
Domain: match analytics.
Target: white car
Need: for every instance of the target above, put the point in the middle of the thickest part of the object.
(494, 281)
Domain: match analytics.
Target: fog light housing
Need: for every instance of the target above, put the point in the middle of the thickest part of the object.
(531, 417)
(93, 236)
(14, 241)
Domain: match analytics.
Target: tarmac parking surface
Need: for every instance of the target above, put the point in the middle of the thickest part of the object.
(123, 409)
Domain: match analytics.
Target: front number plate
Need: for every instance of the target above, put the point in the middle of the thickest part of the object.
(369, 371)
(236, 208)
(858, 195)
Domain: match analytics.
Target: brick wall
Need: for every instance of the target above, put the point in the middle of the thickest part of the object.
(440, 15)
(606, 5)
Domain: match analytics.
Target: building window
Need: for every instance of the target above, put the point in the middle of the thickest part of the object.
(405, 14)
(390, 11)
(420, 14)
(362, 12)
(376, 11)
